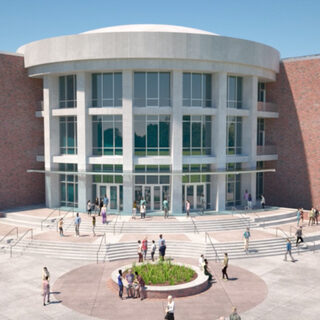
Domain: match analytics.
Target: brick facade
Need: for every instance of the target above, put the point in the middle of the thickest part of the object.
(296, 134)
(21, 135)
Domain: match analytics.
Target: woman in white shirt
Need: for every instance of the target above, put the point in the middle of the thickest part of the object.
(170, 309)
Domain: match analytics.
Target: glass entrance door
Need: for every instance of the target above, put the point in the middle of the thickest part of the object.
(153, 194)
(194, 193)
(114, 194)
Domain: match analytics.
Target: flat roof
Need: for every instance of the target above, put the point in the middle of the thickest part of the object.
(307, 57)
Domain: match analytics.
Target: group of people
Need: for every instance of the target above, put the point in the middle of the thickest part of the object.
(99, 206)
(134, 284)
(142, 207)
(143, 249)
(248, 199)
(204, 266)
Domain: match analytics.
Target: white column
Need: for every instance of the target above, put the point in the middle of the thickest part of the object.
(176, 142)
(51, 139)
(219, 141)
(84, 137)
(248, 181)
(128, 143)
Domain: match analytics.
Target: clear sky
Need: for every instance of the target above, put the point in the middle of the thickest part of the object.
(291, 26)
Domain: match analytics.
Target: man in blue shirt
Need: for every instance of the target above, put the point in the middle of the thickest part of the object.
(288, 251)
(246, 237)
(162, 247)
(77, 222)
(105, 200)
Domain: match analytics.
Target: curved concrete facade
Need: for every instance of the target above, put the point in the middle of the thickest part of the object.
(177, 53)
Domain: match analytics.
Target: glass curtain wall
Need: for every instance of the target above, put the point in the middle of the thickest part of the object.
(260, 132)
(68, 185)
(152, 135)
(262, 93)
(197, 90)
(68, 135)
(259, 180)
(68, 91)
(197, 135)
(152, 89)
(234, 92)
(233, 185)
(107, 135)
(234, 135)
(107, 89)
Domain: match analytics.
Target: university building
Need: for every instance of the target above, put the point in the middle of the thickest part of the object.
(155, 112)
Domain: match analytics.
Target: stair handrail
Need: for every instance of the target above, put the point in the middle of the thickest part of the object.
(49, 215)
(102, 239)
(286, 235)
(26, 232)
(242, 217)
(15, 228)
(114, 225)
(195, 229)
(122, 226)
(207, 236)
(68, 211)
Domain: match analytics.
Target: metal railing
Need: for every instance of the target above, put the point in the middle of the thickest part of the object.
(195, 229)
(286, 235)
(207, 236)
(266, 150)
(114, 225)
(103, 239)
(68, 211)
(13, 245)
(49, 215)
(9, 232)
(267, 106)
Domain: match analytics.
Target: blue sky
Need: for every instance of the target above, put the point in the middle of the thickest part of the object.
(291, 26)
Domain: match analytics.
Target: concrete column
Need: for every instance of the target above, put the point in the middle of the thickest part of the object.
(51, 139)
(128, 143)
(176, 142)
(248, 181)
(84, 133)
(219, 140)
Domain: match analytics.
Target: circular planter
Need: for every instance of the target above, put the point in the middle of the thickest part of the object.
(195, 286)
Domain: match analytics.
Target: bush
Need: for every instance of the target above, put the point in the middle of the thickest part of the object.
(164, 273)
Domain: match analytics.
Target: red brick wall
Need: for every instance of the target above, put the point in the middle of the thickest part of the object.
(21, 135)
(296, 134)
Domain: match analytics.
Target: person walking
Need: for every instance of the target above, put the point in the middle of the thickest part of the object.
(298, 217)
(94, 225)
(140, 290)
(144, 248)
(105, 200)
(202, 203)
(45, 291)
(170, 309)
(60, 226)
(188, 208)
(225, 267)
(77, 222)
(316, 215)
(153, 250)
(249, 201)
(104, 214)
(139, 251)
(263, 201)
(162, 247)
(120, 284)
(299, 236)
(165, 205)
(89, 207)
(207, 270)
(45, 273)
(246, 237)
(234, 315)
(311, 217)
(288, 251)
(302, 215)
(96, 206)
(134, 209)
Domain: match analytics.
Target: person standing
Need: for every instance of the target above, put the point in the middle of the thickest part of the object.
(316, 215)
(165, 205)
(143, 211)
(263, 201)
(89, 207)
(162, 247)
(45, 290)
(96, 206)
(77, 222)
(298, 217)
(104, 214)
(234, 315)
(94, 225)
(246, 237)
(201, 262)
(139, 251)
(225, 267)
(299, 235)
(188, 208)
(249, 201)
(45, 273)
(134, 209)
(100, 206)
(120, 284)
(130, 289)
(170, 309)
(60, 225)
(302, 215)
(105, 201)
(144, 248)
(141, 286)
(153, 250)
(288, 251)
(207, 270)
(311, 217)
(245, 197)
(202, 203)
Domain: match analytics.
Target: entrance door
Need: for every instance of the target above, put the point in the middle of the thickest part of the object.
(153, 194)
(194, 193)
(114, 194)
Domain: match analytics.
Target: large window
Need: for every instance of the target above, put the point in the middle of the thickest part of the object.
(192, 173)
(262, 92)
(196, 135)
(152, 135)
(152, 179)
(110, 178)
(260, 132)
(107, 135)
(233, 186)
(107, 89)
(197, 90)
(68, 91)
(68, 135)
(151, 89)
(68, 185)
(259, 180)
(234, 97)
(234, 135)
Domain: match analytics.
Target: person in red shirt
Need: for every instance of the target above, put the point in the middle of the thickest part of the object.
(144, 248)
